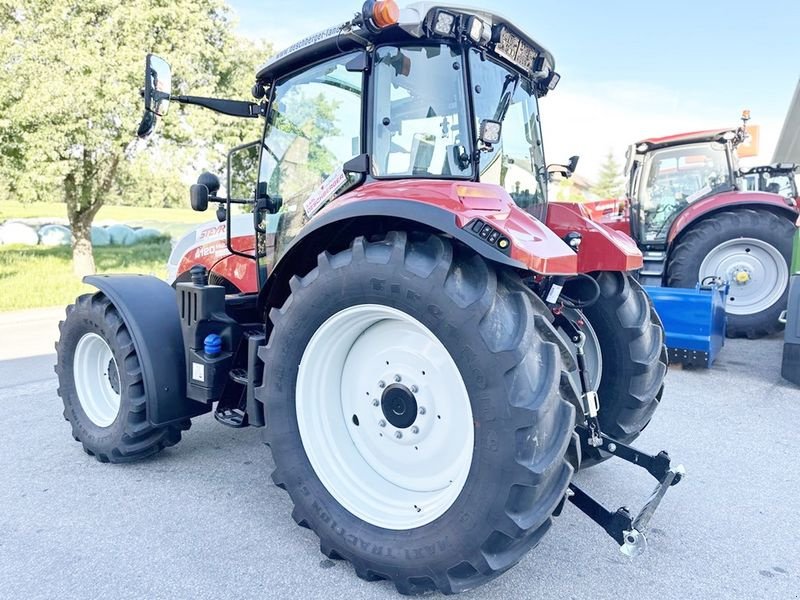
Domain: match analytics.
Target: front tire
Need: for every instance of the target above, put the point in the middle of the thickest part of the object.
(100, 384)
(631, 340)
(750, 249)
(476, 349)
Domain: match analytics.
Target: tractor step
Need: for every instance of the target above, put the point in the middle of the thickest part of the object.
(627, 530)
(231, 417)
(239, 376)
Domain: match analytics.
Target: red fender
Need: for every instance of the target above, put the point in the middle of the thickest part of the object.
(602, 248)
(533, 245)
(732, 199)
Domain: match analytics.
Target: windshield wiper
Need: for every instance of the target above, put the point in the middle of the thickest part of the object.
(506, 94)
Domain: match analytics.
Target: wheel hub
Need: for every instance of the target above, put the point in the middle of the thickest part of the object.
(113, 375)
(399, 406)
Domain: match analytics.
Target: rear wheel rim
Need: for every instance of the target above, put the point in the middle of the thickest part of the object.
(97, 379)
(384, 417)
(756, 271)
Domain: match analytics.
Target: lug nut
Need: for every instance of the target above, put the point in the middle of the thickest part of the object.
(375, 403)
(422, 410)
(415, 429)
(382, 423)
(612, 447)
(414, 389)
(381, 384)
(398, 434)
(397, 378)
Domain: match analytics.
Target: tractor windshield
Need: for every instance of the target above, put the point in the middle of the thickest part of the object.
(672, 178)
(421, 127)
(517, 162)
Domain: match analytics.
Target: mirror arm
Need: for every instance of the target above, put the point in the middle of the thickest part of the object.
(233, 108)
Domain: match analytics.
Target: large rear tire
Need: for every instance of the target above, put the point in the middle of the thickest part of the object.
(631, 339)
(415, 412)
(100, 383)
(750, 249)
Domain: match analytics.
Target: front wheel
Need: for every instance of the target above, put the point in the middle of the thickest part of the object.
(100, 383)
(629, 338)
(415, 413)
(751, 250)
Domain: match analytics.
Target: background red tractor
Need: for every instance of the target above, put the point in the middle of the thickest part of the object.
(695, 215)
(431, 350)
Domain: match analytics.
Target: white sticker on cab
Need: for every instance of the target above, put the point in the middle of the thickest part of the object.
(324, 192)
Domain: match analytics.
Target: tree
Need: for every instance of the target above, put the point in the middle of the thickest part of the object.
(609, 180)
(70, 75)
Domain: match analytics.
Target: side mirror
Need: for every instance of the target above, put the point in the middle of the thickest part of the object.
(198, 196)
(206, 187)
(565, 171)
(156, 93)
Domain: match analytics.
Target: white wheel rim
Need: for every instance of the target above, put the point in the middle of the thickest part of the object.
(391, 481)
(96, 376)
(591, 349)
(756, 271)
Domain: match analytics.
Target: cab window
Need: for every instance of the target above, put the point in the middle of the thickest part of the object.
(313, 128)
(517, 162)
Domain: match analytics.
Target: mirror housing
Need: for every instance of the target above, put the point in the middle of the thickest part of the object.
(565, 171)
(156, 93)
(198, 197)
(206, 188)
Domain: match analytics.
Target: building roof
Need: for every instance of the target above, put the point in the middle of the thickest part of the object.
(788, 146)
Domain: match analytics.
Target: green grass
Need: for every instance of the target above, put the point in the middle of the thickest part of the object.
(37, 276)
(171, 221)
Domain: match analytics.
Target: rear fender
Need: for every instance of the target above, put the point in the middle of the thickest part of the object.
(533, 246)
(148, 307)
(726, 201)
(602, 248)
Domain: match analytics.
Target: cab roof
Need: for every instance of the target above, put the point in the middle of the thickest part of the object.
(413, 23)
(706, 135)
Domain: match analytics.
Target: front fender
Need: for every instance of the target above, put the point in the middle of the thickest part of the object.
(148, 307)
(602, 248)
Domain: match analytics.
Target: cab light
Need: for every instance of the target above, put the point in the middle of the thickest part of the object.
(443, 24)
(479, 31)
(383, 13)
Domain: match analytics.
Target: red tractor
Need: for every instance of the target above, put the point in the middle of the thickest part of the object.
(431, 349)
(696, 216)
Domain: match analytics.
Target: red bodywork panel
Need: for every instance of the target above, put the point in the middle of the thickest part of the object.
(726, 199)
(603, 248)
(241, 272)
(614, 214)
(532, 243)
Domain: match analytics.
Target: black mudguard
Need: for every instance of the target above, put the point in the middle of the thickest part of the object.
(148, 307)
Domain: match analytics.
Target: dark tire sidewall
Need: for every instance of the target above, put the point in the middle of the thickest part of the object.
(81, 322)
(475, 513)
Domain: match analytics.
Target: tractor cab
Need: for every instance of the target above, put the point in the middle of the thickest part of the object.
(666, 175)
(429, 93)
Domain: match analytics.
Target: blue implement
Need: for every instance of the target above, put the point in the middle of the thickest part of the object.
(694, 321)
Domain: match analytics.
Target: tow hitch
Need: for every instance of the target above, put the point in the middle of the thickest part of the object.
(627, 530)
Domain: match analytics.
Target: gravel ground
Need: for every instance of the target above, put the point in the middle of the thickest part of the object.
(203, 520)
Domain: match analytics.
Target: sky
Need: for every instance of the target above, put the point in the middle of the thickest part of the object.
(630, 70)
